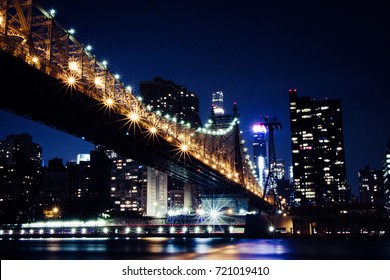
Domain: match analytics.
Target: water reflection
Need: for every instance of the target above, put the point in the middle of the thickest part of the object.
(192, 248)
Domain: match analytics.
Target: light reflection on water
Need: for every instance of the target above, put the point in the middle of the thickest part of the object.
(192, 248)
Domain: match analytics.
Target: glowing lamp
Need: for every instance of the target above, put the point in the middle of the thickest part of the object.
(73, 65)
(109, 102)
(134, 116)
(35, 59)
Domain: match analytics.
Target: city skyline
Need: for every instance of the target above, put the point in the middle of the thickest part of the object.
(253, 52)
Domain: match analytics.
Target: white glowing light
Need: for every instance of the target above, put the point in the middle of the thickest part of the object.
(117, 76)
(138, 230)
(153, 130)
(259, 128)
(134, 116)
(160, 230)
(184, 229)
(35, 59)
(52, 12)
(184, 147)
(105, 230)
(172, 230)
(197, 229)
(214, 214)
(52, 231)
(109, 102)
(98, 81)
(89, 48)
(74, 66)
(72, 31)
(271, 229)
(127, 230)
(71, 80)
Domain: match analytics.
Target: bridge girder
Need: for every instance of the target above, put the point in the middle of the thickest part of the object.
(48, 57)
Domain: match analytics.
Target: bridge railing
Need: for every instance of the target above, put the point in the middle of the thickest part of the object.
(32, 34)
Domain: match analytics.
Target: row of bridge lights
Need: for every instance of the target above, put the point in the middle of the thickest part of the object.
(185, 147)
(106, 230)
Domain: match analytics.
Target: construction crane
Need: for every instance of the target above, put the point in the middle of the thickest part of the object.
(271, 184)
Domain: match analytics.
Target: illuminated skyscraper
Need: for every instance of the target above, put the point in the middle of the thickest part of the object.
(136, 188)
(386, 176)
(317, 150)
(172, 99)
(20, 167)
(260, 152)
(217, 103)
(371, 186)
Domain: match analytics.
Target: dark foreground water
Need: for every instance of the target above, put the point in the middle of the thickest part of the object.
(194, 248)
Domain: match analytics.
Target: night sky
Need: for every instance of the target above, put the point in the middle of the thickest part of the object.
(253, 51)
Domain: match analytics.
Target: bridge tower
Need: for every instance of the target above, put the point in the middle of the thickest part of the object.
(271, 185)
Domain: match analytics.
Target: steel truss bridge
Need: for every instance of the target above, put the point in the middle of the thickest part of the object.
(49, 76)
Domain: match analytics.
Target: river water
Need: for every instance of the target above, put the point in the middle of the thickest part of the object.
(161, 248)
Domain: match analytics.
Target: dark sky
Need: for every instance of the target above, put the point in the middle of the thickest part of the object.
(254, 51)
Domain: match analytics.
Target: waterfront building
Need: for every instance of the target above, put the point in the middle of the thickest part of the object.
(20, 168)
(55, 182)
(386, 176)
(317, 151)
(371, 186)
(136, 189)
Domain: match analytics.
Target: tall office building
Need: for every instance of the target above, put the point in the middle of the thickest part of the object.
(260, 157)
(371, 186)
(137, 189)
(171, 99)
(20, 167)
(182, 195)
(317, 151)
(56, 182)
(386, 176)
(217, 103)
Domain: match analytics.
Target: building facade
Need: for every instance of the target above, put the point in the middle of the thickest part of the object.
(260, 156)
(20, 168)
(20, 178)
(317, 151)
(217, 103)
(371, 186)
(386, 176)
(171, 99)
(136, 189)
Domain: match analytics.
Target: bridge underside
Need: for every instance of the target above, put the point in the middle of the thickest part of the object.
(30, 93)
